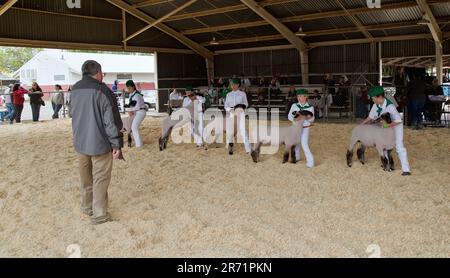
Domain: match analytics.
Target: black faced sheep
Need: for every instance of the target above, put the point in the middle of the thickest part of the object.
(383, 139)
(289, 136)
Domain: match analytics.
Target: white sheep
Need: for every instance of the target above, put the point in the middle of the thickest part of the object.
(383, 139)
(127, 121)
(289, 136)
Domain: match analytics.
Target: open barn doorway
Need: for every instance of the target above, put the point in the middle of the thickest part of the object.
(51, 68)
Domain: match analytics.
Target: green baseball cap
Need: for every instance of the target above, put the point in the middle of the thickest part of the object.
(301, 92)
(376, 91)
(236, 81)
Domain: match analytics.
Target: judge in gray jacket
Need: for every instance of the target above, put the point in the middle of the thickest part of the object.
(97, 139)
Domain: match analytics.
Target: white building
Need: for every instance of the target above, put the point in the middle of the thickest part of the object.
(50, 67)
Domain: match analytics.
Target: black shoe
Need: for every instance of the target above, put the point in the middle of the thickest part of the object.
(406, 174)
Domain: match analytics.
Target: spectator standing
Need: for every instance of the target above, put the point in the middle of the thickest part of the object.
(8, 100)
(96, 126)
(18, 101)
(57, 101)
(36, 101)
(416, 94)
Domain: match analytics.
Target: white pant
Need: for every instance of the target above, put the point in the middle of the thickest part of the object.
(138, 119)
(305, 146)
(197, 129)
(242, 131)
(400, 148)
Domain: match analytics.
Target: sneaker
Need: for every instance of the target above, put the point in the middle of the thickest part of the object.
(406, 174)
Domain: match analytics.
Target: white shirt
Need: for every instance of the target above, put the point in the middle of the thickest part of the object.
(140, 103)
(187, 101)
(7, 97)
(234, 98)
(378, 110)
(175, 95)
(296, 107)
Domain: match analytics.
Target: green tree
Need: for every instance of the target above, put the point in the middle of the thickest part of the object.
(12, 58)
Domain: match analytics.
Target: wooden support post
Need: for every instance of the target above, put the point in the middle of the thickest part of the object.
(304, 60)
(210, 69)
(380, 63)
(124, 29)
(439, 62)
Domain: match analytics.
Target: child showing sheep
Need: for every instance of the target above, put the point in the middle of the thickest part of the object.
(382, 106)
(303, 105)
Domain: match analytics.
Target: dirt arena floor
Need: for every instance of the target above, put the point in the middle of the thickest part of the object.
(186, 202)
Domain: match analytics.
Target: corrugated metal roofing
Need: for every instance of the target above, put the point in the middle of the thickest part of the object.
(52, 20)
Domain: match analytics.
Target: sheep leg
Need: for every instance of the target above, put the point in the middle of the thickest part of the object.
(384, 159)
(349, 158)
(164, 139)
(361, 154)
(293, 158)
(391, 160)
(130, 140)
(256, 152)
(161, 144)
(286, 155)
(230, 148)
(385, 163)
(350, 153)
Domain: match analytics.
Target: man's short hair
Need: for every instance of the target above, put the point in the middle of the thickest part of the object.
(91, 68)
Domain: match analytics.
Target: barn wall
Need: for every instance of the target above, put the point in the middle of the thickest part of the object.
(408, 48)
(357, 61)
(412, 48)
(285, 63)
(353, 60)
(179, 71)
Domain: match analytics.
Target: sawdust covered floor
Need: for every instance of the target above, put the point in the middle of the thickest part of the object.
(186, 202)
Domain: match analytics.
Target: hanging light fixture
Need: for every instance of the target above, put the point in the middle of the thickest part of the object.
(300, 32)
(214, 41)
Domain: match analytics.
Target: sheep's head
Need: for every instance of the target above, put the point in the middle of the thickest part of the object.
(302, 115)
(386, 117)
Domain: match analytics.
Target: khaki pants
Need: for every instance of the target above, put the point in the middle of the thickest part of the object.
(95, 174)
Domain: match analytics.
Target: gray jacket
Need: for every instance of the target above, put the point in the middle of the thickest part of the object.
(96, 122)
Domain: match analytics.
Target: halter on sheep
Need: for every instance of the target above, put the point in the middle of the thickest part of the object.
(383, 139)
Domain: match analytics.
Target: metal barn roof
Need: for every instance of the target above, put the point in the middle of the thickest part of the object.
(106, 24)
